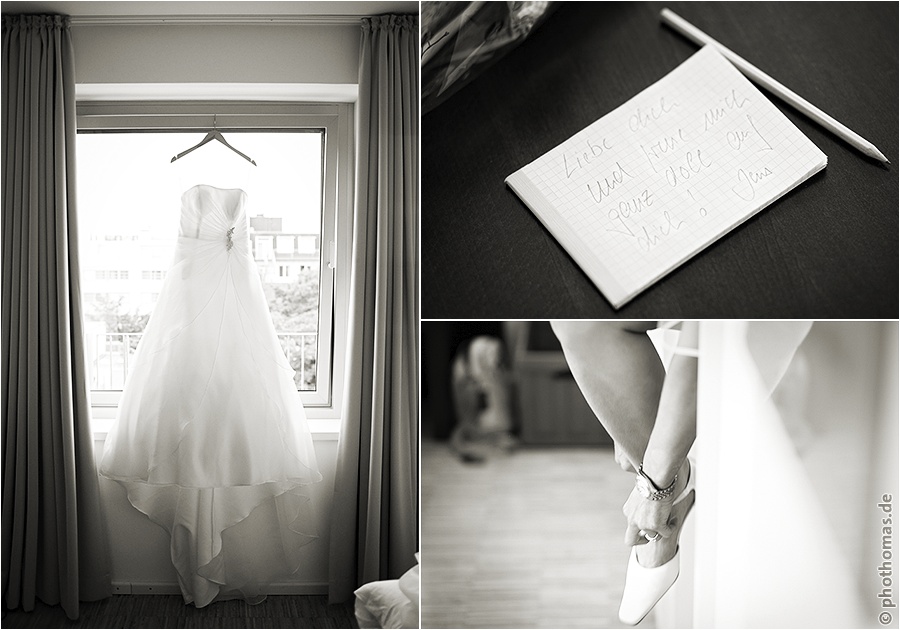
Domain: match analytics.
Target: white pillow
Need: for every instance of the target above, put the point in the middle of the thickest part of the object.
(384, 605)
(409, 584)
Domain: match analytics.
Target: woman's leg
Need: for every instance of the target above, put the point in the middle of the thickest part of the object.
(619, 372)
(621, 376)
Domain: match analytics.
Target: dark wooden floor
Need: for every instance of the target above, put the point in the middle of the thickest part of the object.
(170, 611)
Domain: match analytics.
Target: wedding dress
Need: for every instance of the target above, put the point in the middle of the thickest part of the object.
(211, 439)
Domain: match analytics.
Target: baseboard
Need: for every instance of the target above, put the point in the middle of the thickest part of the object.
(298, 588)
(146, 588)
(172, 588)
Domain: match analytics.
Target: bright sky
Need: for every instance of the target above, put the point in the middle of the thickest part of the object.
(127, 182)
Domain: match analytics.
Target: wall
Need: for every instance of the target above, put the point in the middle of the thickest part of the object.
(216, 54)
(221, 54)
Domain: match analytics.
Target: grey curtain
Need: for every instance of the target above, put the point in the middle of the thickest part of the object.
(375, 520)
(53, 541)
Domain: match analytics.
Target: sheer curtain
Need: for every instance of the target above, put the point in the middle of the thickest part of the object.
(375, 520)
(53, 541)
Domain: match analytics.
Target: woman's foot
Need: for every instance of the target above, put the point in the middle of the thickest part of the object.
(657, 553)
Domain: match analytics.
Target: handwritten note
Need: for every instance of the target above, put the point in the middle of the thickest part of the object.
(650, 184)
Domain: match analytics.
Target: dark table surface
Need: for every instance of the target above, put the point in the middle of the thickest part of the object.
(828, 249)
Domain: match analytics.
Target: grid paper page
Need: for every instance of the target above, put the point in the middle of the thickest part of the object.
(659, 178)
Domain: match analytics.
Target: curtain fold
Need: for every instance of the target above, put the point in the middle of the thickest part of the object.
(54, 548)
(374, 532)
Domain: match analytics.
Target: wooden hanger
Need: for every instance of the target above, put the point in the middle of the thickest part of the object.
(214, 134)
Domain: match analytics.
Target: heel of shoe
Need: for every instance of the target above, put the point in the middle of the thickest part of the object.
(691, 483)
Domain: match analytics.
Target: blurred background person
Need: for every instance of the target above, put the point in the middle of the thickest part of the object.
(483, 401)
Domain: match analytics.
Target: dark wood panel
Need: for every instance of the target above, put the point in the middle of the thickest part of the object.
(554, 411)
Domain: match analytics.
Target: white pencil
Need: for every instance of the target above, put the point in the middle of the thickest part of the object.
(765, 81)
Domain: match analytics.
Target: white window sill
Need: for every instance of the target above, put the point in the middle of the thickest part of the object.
(322, 429)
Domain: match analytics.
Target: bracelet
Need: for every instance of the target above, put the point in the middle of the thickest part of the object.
(649, 490)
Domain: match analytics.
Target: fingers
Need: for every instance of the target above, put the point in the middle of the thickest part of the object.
(639, 532)
(640, 526)
(653, 526)
(665, 529)
(633, 536)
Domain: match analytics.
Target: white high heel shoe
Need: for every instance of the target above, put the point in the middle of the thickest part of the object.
(644, 587)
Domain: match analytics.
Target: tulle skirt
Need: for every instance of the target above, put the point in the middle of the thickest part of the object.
(211, 440)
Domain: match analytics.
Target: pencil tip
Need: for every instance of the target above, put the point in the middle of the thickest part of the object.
(873, 152)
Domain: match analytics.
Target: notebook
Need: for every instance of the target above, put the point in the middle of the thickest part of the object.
(653, 182)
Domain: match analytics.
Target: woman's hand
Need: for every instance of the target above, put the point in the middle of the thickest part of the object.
(645, 515)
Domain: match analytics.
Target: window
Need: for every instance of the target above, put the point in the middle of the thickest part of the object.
(307, 244)
(111, 274)
(285, 244)
(263, 248)
(129, 218)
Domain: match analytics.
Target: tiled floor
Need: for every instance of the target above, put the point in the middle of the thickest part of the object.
(529, 540)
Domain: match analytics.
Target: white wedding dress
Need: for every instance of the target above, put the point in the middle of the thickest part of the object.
(211, 439)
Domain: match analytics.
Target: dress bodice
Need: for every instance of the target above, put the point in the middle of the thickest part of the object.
(209, 213)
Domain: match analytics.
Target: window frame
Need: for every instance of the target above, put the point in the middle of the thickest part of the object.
(336, 120)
